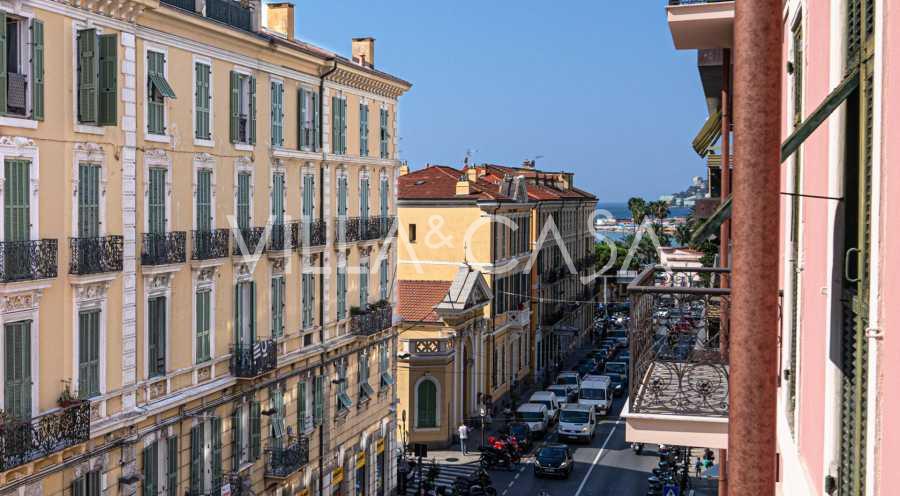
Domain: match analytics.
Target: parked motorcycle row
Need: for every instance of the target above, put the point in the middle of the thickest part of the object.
(673, 469)
(501, 451)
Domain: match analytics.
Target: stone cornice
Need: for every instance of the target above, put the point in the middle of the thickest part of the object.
(367, 82)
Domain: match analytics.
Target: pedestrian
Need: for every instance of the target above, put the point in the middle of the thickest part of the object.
(463, 436)
(698, 466)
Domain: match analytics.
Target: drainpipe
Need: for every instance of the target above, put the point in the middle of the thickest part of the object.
(725, 232)
(754, 330)
(322, 367)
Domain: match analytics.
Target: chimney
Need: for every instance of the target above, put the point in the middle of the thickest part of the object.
(280, 19)
(462, 186)
(472, 174)
(363, 51)
(404, 169)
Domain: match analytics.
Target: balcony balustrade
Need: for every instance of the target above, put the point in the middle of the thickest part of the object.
(435, 347)
(371, 321)
(23, 441)
(28, 260)
(209, 245)
(95, 255)
(230, 12)
(282, 462)
(163, 248)
(678, 366)
(189, 5)
(308, 234)
(247, 240)
(283, 237)
(252, 360)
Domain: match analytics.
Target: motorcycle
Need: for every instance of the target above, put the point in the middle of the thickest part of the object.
(476, 484)
(638, 448)
(493, 457)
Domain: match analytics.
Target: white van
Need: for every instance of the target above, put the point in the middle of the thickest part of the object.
(596, 393)
(535, 415)
(569, 378)
(564, 394)
(548, 399)
(577, 422)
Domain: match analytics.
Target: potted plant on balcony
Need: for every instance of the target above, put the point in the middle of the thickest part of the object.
(380, 304)
(66, 399)
(357, 311)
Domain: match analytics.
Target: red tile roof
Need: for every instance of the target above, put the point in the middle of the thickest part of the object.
(418, 298)
(438, 182)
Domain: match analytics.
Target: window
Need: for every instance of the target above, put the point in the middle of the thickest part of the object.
(319, 400)
(426, 404)
(302, 412)
(87, 485)
(364, 197)
(309, 288)
(365, 389)
(363, 130)
(307, 207)
(158, 89)
(88, 200)
(278, 198)
(343, 401)
(494, 368)
(341, 293)
(89, 353)
(276, 420)
(363, 285)
(21, 65)
(385, 133)
(156, 204)
(242, 125)
(172, 466)
(206, 457)
(338, 125)
(243, 200)
(309, 120)
(342, 196)
(412, 233)
(96, 78)
(245, 434)
(204, 200)
(278, 306)
(384, 365)
(17, 201)
(383, 193)
(202, 101)
(156, 323)
(151, 470)
(204, 309)
(277, 89)
(383, 280)
(17, 369)
(245, 313)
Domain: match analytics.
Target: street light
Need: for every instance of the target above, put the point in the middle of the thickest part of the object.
(483, 412)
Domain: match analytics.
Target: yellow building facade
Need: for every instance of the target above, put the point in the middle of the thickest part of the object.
(196, 285)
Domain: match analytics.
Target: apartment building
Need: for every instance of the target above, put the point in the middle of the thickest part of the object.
(197, 265)
(471, 255)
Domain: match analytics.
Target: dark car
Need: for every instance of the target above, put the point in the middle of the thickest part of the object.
(554, 460)
(522, 434)
(585, 368)
(618, 376)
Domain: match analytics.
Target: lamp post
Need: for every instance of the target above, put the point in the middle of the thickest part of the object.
(483, 412)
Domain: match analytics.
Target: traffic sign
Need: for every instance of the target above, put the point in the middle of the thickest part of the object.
(671, 490)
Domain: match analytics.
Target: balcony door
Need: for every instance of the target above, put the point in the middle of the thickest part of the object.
(16, 200)
(156, 204)
(17, 369)
(245, 313)
(88, 200)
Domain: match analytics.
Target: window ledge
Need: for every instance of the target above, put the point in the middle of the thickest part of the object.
(20, 122)
(156, 138)
(244, 147)
(90, 129)
(204, 142)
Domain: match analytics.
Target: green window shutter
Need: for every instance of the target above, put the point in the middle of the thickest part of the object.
(363, 130)
(151, 463)
(342, 196)
(157, 89)
(255, 434)
(3, 101)
(277, 113)
(215, 426)
(301, 119)
(107, 110)
(363, 285)
(278, 198)
(37, 69)
(364, 198)
(234, 106)
(87, 76)
(385, 190)
(341, 281)
(315, 122)
(237, 442)
(319, 400)
(88, 200)
(197, 448)
(238, 313)
(252, 310)
(17, 369)
(203, 303)
(301, 407)
(17, 200)
(383, 276)
(252, 138)
(172, 466)
(204, 200)
(243, 199)
(89, 353)
(277, 306)
(157, 201)
(202, 101)
(79, 486)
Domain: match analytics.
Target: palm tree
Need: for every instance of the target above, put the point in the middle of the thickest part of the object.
(683, 234)
(660, 209)
(638, 208)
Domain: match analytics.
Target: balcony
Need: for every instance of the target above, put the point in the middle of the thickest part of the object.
(699, 24)
(189, 5)
(282, 462)
(372, 321)
(229, 12)
(209, 245)
(23, 441)
(309, 233)
(95, 255)
(282, 237)
(678, 382)
(27, 260)
(163, 248)
(430, 347)
(247, 240)
(253, 360)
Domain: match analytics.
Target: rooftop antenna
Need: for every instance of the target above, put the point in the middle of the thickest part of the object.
(469, 153)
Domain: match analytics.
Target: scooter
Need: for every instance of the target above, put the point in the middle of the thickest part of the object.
(638, 448)
(492, 457)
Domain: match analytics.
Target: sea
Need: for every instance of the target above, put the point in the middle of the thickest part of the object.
(620, 211)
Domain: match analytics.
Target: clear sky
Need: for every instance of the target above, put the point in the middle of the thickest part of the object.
(595, 87)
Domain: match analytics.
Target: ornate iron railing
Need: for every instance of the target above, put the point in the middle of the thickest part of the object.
(95, 255)
(282, 462)
(283, 237)
(252, 360)
(310, 234)
(346, 229)
(247, 240)
(208, 245)
(27, 260)
(373, 320)
(163, 248)
(678, 366)
(232, 13)
(22, 441)
(189, 5)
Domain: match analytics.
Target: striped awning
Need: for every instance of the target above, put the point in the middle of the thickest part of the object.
(165, 89)
(710, 226)
(708, 134)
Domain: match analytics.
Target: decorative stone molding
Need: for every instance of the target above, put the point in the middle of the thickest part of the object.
(159, 282)
(243, 272)
(365, 82)
(206, 276)
(278, 265)
(17, 142)
(86, 293)
(204, 159)
(20, 302)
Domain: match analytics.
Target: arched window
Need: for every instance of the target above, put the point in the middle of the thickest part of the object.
(426, 404)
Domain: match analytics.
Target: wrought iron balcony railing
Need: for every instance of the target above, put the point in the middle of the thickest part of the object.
(163, 248)
(209, 245)
(282, 462)
(230, 12)
(23, 441)
(346, 229)
(189, 5)
(283, 237)
(95, 255)
(678, 366)
(247, 240)
(309, 233)
(28, 260)
(253, 360)
(371, 321)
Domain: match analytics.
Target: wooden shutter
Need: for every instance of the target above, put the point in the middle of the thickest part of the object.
(255, 428)
(37, 69)
(17, 369)
(202, 101)
(252, 310)
(3, 101)
(301, 407)
(157, 201)
(383, 276)
(238, 313)
(87, 76)
(172, 466)
(301, 119)
(277, 306)
(203, 304)
(363, 285)
(215, 426)
(385, 201)
(204, 200)
(363, 129)
(243, 206)
(17, 200)
(252, 138)
(157, 336)
(89, 353)
(277, 113)
(88, 200)
(278, 198)
(235, 107)
(341, 293)
(364, 198)
(237, 442)
(315, 122)
(107, 109)
(151, 464)
(319, 400)
(197, 478)
(342, 196)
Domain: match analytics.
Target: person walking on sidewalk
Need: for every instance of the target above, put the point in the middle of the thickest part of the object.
(463, 436)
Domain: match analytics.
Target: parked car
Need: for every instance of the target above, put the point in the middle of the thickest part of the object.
(535, 416)
(548, 399)
(596, 393)
(564, 394)
(554, 460)
(577, 422)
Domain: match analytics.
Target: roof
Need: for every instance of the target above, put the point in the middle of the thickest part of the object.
(417, 299)
(468, 289)
(438, 182)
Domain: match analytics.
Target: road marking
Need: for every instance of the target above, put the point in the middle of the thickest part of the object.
(596, 459)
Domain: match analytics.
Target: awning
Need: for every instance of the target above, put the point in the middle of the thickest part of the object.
(711, 225)
(162, 85)
(708, 134)
(829, 105)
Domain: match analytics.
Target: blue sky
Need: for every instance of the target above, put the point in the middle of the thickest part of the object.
(595, 87)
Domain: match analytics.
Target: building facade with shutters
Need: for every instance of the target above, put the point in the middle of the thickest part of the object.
(197, 261)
